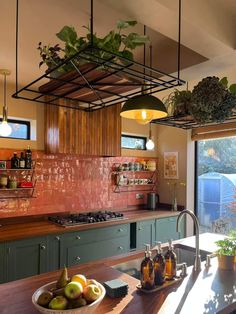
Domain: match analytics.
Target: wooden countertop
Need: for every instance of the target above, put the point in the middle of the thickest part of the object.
(210, 291)
(15, 231)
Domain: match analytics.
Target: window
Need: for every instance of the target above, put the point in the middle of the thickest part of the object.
(133, 142)
(20, 129)
(216, 184)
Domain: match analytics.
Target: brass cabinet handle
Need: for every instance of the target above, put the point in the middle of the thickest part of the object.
(120, 230)
(77, 258)
(43, 247)
(78, 237)
(120, 248)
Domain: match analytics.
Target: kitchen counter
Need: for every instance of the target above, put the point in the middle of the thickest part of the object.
(210, 291)
(16, 231)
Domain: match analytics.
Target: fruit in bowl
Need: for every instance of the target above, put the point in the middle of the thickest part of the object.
(78, 295)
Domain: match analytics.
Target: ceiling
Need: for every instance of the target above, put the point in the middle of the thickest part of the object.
(208, 31)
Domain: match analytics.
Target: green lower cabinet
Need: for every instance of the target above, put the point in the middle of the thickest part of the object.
(26, 258)
(166, 229)
(54, 248)
(2, 263)
(145, 233)
(89, 245)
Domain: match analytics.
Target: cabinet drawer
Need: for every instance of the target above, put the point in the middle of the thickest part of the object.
(96, 250)
(101, 234)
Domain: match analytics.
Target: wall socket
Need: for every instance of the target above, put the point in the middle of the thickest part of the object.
(139, 196)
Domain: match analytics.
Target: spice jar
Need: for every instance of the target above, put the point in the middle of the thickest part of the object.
(3, 181)
(12, 183)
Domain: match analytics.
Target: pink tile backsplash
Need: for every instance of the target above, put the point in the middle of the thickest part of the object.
(71, 183)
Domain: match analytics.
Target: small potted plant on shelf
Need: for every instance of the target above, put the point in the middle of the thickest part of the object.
(178, 102)
(226, 252)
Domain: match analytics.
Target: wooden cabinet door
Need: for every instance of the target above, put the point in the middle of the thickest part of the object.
(71, 131)
(145, 233)
(26, 258)
(166, 229)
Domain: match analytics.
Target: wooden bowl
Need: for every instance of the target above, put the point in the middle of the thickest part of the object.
(87, 309)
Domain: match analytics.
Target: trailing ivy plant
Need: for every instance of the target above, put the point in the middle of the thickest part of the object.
(115, 41)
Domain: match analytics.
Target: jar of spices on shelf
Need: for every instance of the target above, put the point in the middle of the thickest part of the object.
(12, 183)
(151, 165)
(3, 181)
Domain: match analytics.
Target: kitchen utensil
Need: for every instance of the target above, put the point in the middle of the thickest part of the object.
(152, 200)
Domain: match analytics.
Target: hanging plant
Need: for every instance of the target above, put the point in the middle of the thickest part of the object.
(212, 101)
(178, 102)
(115, 42)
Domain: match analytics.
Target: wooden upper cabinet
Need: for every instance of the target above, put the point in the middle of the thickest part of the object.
(71, 131)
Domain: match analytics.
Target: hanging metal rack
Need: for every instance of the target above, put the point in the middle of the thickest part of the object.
(105, 81)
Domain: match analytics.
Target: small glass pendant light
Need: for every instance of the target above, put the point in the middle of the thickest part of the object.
(150, 145)
(5, 128)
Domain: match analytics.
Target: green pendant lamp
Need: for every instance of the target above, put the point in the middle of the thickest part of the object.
(144, 108)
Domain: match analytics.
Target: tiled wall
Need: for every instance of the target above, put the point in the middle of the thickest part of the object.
(71, 183)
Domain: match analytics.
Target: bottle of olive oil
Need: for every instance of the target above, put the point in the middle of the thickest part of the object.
(171, 262)
(159, 266)
(147, 270)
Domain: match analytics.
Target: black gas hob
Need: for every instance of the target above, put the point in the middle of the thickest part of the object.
(86, 218)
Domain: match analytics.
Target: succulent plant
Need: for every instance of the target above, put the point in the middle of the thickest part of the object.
(178, 102)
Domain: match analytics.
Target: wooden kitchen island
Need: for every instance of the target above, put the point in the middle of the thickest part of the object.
(210, 291)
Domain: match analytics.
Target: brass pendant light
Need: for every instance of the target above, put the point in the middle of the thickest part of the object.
(144, 108)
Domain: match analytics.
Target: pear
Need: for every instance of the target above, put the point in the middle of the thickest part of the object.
(45, 298)
(63, 279)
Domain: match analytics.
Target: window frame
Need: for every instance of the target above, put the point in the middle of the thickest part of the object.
(136, 137)
(22, 122)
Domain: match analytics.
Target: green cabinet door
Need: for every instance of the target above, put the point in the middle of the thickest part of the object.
(26, 258)
(2, 263)
(145, 233)
(54, 247)
(166, 229)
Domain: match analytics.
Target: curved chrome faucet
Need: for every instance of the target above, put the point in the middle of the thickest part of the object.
(197, 263)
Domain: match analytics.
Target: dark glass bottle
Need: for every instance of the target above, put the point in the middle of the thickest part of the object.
(28, 158)
(147, 270)
(15, 162)
(171, 262)
(159, 266)
(22, 161)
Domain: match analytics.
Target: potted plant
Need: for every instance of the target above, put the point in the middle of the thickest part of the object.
(226, 252)
(178, 102)
(115, 42)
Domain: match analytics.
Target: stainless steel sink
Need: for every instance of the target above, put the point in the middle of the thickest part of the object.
(184, 254)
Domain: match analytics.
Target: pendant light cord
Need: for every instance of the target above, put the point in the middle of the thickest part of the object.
(17, 35)
(144, 56)
(179, 40)
(91, 23)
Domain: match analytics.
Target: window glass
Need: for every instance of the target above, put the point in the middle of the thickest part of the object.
(133, 142)
(20, 129)
(216, 184)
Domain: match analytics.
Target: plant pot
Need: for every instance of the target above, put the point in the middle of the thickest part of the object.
(226, 262)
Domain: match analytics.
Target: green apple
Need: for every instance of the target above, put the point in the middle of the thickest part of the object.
(58, 303)
(73, 290)
(91, 293)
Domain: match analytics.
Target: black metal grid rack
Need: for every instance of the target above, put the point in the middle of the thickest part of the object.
(99, 82)
(187, 122)
(86, 89)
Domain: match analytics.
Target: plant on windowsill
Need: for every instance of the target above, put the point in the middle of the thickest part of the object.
(115, 42)
(226, 252)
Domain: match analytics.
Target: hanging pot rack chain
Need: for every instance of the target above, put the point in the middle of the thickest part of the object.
(119, 78)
